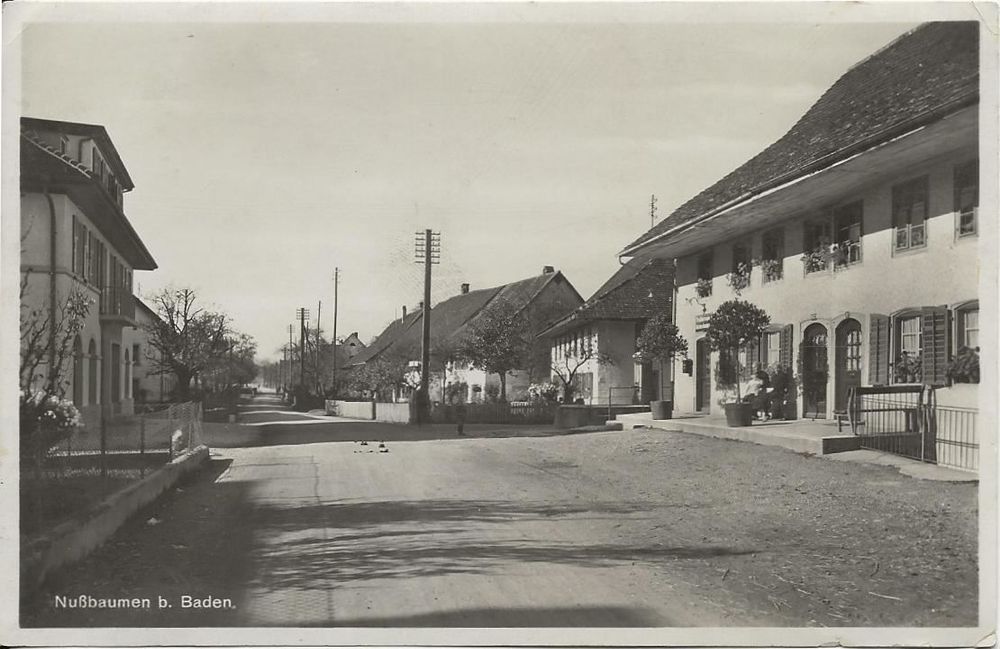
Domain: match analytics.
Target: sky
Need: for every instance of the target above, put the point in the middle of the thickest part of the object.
(266, 155)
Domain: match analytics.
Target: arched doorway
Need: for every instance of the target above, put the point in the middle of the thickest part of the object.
(815, 371)
(847, 365)
(77, 372)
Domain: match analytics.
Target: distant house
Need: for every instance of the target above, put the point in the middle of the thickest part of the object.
(541, 299)
(598, 339)
(147, 385)
(75, 236)
(863, 220)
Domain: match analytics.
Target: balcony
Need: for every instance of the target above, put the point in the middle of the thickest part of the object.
(117, 305)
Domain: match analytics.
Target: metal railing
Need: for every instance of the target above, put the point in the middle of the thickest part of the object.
(906, 420)
(116, 300)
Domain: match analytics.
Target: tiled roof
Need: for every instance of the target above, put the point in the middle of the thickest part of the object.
(920, 77)
(639, 290)
(95, 131)
(389, 335)
(451, 319)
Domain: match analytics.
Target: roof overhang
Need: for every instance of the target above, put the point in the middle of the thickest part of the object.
(42, 170)
(819, 189)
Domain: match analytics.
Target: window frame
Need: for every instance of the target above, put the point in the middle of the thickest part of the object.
(898, 319)
(906, 192)
(969, 170)
(775, 236)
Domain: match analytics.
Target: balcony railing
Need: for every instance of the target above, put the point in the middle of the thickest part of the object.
(117, 301)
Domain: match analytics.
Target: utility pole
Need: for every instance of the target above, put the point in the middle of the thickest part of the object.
(319, 339)
(652, 210)
(428, 251)
(336, 289)
(302, 314)
(291, 358)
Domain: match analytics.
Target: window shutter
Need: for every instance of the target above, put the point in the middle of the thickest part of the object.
(878, 349)
(785, 355)
(934, 341)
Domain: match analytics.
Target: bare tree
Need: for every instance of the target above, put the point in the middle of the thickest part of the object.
(567, 365)
(187, 337)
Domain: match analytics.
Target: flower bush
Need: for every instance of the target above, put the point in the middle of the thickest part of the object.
(908, 368)
(45, 421)
(543, 392)
(771, 269)
(739, 279)
(704, 287)
(964, 368)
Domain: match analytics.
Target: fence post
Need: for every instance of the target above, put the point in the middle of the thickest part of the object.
(142, 445)
(104, 448)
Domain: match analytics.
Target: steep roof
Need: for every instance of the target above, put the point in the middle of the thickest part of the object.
(637, 291)
(920, 77)
(451, 319)
(94, 131)
(389, 335)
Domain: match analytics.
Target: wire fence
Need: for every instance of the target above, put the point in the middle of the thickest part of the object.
(91, 464)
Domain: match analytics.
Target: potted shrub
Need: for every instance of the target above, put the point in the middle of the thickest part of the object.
(733, 326)
(660, 340)
(739, 279)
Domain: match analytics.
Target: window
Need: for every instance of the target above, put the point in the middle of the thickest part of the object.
(909, 214)
(63, 145)
(135, 354)
(704, 287)
(816, 240)
(770, 348)
(79, 247)
(968, 328)
(907, 364)
(966, 198)
(847, 230)
(772, 259)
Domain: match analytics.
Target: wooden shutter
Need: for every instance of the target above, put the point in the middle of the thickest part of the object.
(934, 341)
(785, 354)
(879, 351)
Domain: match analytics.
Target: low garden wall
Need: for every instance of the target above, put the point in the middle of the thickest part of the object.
(574, 416)
(393, 413)
(351, 409)
(75, 539)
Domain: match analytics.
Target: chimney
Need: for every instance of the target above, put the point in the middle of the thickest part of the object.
(404, 312)
(465, 289)
(548, 270)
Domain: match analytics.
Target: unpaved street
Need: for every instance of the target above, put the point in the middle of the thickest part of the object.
(635, 528)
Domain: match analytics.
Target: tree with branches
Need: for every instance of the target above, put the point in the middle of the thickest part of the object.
(567, 362)
(498, 342)
(188, 338)
(46, 352)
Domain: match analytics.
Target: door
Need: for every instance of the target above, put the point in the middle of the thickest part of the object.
(646, 381)
(847, 369)
(703, 376)
(815, 371)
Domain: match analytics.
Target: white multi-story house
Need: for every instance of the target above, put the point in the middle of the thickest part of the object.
(857, 231)
(596, 343)
(75, 236)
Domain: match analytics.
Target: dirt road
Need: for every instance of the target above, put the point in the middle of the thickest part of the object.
(636, 528)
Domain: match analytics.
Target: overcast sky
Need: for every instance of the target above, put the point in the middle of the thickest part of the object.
(266, 155)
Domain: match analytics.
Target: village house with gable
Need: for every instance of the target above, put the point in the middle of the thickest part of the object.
(858, 232)
(541, 299)
(75, 236)
(596, 343)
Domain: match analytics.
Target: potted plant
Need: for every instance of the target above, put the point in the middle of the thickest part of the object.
(660, 340)
(771, 269)
(907, 368)
(704, 287)
(964, 368)
(739, 279)
(733, 326)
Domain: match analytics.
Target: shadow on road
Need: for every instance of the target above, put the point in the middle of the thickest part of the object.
(344, 542)
(570, 616)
